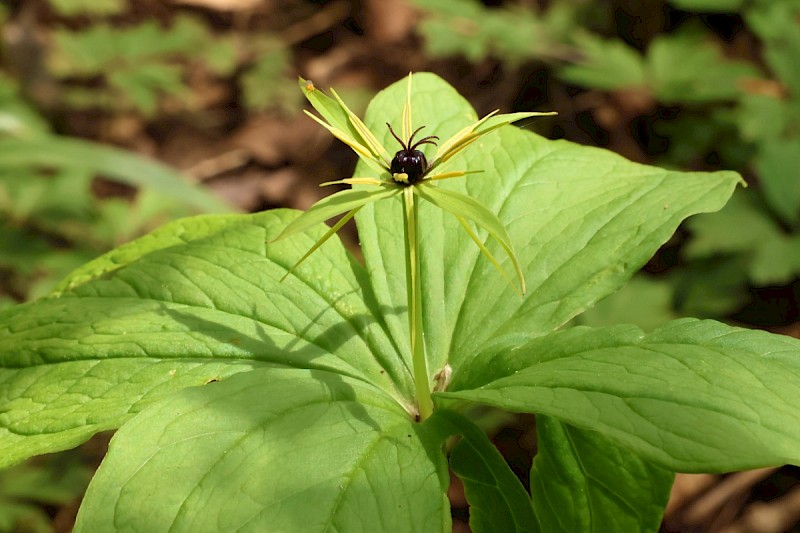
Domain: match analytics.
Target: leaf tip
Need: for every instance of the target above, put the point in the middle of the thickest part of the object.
(306, 85)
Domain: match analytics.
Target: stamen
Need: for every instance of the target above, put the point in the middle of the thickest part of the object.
(396, 137)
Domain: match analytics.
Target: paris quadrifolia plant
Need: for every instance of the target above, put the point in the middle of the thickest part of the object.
(409, 176)
(261, 378)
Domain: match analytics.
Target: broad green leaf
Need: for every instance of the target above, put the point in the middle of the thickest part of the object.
(691, 396)
(498, 121)
(271, 450)
(173, 234)
(199, 300)
(582, 221)
(497, 499)
(582, 482)
(111, 162)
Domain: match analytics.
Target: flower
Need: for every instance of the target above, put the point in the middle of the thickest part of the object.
(407, 173)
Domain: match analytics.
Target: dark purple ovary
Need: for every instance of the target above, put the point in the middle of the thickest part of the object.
(409, 164)
(412, 163)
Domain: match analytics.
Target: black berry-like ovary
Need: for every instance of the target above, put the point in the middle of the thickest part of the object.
(409, 164)
(412, 163)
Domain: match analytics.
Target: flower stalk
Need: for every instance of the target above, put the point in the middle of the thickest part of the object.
(414, 298)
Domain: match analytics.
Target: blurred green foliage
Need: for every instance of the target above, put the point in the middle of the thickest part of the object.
(72, 8)
(145, 65)
(51, 221)
(54, 480)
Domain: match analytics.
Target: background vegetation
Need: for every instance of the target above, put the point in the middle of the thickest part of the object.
(113, 111)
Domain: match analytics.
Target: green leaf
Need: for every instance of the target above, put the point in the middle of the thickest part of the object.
(143, 86)
(17, 116)
(198, 300)
(267, 84)
(582, 482)
(778, 166)
(111, 162)
(497, 499)
(474, 31)
(691, 396)
(54, 479)
(605, 64)
(582, 222)
(643, 301)
(687, 68)
(737, 227)
(776, 24)
(676, 68)
(763, 118)
(271, 450)
(767, 253)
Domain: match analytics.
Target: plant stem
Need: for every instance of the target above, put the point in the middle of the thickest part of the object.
(414, 298)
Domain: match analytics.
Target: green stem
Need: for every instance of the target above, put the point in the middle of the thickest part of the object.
(414, 298)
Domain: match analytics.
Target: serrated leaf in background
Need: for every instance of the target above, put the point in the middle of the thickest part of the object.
(776, 22)
(605, 64)
(688, 68)
(778, 165)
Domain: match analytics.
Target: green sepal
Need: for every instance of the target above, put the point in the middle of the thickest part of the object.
(345, 125)
(336, 204)
(473, 132)
(501, 120)
(462, 206)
